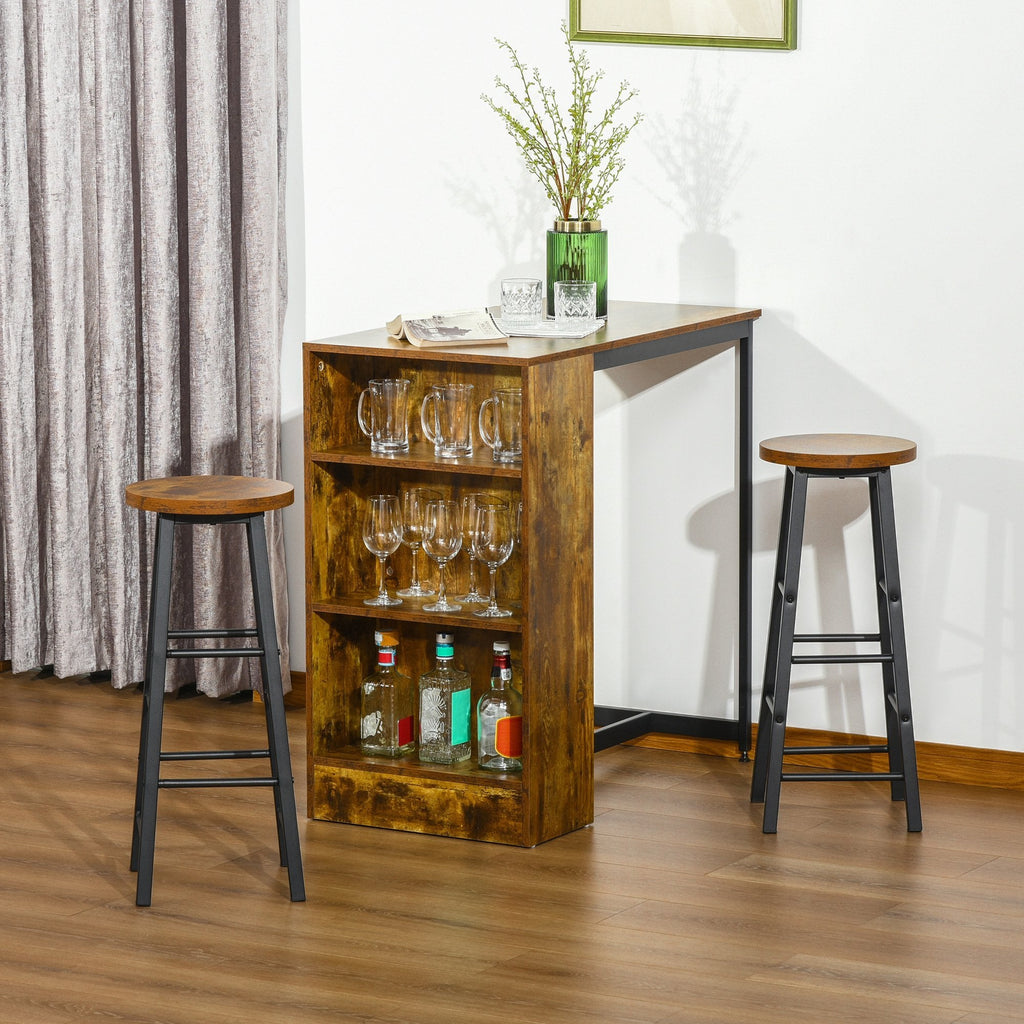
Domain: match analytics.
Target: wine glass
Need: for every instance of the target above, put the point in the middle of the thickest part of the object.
(469, 505)
(382, 533)
(442, 540)
(414, 508)
(493, 540)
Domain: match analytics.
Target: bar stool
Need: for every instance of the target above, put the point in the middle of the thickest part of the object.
(836, 455)
(213, 500)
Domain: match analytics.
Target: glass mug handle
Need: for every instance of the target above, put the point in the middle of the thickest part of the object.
(488, 439)
(428, 432)
(359, 413)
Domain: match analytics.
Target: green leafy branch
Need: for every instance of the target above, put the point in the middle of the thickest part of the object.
(575, 157)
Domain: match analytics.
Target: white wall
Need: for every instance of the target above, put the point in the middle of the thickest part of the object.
(863, 190)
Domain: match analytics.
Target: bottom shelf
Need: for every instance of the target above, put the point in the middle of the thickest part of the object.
(465, 803)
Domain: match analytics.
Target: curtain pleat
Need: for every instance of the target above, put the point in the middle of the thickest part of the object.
(141, 303)
(111, 339)
(58, 226)
(22, 619)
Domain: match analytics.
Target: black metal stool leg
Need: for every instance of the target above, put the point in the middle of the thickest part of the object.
(273, 697)
(895, 671)
(892, 729)
(771, 660)
(788, 586)
(147, 779)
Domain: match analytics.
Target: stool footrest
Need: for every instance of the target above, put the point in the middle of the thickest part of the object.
(200, 634)
(840, 659)
(210, 755)
(869, 748)
(215, 783)
(217, 652)
(836, 638)
(841, 776)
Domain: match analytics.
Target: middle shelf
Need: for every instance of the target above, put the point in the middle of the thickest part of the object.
(411, 610)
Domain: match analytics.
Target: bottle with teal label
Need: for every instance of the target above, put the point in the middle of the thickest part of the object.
(387, 704)
(499, 717)
(446, 704)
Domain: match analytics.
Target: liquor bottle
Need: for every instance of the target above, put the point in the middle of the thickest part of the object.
(387, 704)
(445, 708)
(499, 717)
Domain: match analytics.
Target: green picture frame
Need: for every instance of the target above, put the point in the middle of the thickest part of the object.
(690, 24)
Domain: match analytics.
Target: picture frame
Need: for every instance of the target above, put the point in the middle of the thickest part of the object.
(742, 24)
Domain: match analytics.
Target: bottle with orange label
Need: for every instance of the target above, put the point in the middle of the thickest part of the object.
(499, 717)
(388, 704)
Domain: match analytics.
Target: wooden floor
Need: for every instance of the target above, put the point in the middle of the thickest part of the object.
(673, 908)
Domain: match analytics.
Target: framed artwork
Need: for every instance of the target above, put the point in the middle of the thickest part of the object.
(747, 24)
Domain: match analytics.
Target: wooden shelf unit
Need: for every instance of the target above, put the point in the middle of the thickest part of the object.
(548, 579)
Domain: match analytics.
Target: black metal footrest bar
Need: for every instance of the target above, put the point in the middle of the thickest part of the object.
(841, 776)
(217, 652)
(209, 634)
(215, 783)
(210, 755)
(873, 748)
(840, 659)
(836, 638)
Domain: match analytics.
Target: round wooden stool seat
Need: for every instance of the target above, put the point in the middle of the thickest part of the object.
(838, 451)
(209, 495)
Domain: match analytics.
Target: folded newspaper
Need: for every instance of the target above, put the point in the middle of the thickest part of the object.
(467, 327)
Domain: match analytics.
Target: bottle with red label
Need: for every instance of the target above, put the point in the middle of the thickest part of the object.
(387, 704)
(499, 717)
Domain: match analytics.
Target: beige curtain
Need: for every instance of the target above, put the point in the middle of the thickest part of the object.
(142, 297)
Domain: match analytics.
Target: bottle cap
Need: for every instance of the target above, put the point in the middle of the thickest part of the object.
(502, 647)
(386, 638)
(445, 638)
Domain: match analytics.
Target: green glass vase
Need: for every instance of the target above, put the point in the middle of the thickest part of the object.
(578, 251)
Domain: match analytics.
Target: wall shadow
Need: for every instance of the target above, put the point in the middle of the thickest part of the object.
(832, 506)
(514, 213)
(702, 153)
(978, 655)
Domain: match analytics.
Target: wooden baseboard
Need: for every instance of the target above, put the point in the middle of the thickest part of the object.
(297, 697)
(936, 762)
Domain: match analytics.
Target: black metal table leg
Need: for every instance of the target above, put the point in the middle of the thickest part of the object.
(745, 443)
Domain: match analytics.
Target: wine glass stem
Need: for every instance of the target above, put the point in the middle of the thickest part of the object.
(493, 570)
(415, 567)
(472, 575)
(382, 591)
(441, 592)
